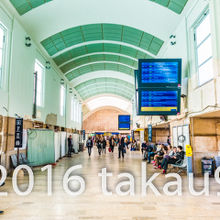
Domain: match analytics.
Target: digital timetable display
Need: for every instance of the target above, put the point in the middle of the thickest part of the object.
(155, 72)
(124, 122)
(159, 102)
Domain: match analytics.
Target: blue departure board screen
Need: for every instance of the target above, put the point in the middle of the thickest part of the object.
(159, 102)
(124, 122)
(159, 72)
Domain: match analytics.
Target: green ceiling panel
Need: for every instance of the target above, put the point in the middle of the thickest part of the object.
(98, 48)
(175, 5)
(105, 85)
(97, 58)
(23, 6)
(92, 32)
(98, 67)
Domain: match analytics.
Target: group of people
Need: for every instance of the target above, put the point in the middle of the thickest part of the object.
(162, 155)
(102, 143)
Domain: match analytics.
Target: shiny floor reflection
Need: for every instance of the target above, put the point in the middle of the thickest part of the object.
(94, 205)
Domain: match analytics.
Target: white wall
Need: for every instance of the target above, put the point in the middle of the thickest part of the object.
(200, 98)
(19, 72)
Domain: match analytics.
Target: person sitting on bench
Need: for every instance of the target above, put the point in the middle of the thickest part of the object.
(177, 159)
(159, 156)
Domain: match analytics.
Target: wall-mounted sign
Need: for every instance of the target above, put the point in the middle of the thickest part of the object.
(84, 135)
(150, 133)
(18, 132)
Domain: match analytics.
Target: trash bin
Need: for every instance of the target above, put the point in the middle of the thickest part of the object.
(208, 166)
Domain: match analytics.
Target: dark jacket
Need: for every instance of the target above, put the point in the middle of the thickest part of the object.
(70, 142)
(149, 148)
(180, 156)
(144, 146)
(121, 143)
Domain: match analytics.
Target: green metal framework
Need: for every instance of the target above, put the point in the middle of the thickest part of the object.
(176, 6)
(99, 67)
(23, 6)
(96, 32)
(105, 86)
(98, 48)
(97, 58)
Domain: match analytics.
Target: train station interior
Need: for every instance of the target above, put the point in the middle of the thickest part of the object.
(129, 80)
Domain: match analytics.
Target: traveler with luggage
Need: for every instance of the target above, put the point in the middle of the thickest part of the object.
(89, 145)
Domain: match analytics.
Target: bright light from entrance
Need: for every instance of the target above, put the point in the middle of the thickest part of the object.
(108, 101)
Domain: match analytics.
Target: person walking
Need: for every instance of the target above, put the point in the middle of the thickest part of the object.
(111, 144)
(104, 145)
(89, 145)
(70, 145)
(121, 147)
(99, 146)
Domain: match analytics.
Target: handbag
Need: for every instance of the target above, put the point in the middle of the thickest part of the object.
(109, 150)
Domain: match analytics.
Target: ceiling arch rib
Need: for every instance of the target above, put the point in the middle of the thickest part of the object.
(24, 6)
(95, 54)
(102, 74)
(102, 42)
(97, 58)
(98, 48)
(113, 86)
(93, 32)
(176, 6)
(106, 90)
(98, 66)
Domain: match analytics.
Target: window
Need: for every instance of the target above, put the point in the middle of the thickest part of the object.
(62, 100)
(39, 69)
(77, 112)
(203, 44)
(72, 109)
(80, 113)
(2, 51)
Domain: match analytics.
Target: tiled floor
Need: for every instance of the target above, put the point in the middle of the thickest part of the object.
(94, 205)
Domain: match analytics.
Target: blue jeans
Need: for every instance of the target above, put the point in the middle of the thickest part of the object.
(149, 156)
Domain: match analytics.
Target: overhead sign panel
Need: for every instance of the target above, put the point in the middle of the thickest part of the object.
(159, 72)
(159, 101)
(124, 122)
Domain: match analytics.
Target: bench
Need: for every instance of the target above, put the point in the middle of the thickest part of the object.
(182, 166)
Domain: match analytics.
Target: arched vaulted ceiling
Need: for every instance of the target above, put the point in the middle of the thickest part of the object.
(97, 44)
(106, 85)
(99, 48)
(95, 32)
(108, 56)
(24, 6)
(99, 66)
